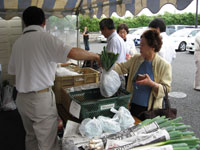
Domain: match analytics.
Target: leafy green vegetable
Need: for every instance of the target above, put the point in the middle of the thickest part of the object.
(107, 59)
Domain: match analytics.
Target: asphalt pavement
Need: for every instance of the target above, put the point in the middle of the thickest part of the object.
(182, 96)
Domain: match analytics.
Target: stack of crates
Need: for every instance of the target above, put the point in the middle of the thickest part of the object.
(87, 76)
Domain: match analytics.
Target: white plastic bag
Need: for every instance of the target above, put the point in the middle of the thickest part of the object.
(109, 125)
(8, 102)
(69, 145)
(90, 127)
(109, 83)
(124, 117)
(62, 71)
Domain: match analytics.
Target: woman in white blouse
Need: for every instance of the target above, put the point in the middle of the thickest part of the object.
(122, 30)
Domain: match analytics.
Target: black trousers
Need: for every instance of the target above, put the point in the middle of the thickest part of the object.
(86, 43)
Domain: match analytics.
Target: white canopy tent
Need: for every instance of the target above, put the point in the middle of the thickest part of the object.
(60, 8)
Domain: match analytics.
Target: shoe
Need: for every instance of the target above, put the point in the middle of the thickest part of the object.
(196, 89)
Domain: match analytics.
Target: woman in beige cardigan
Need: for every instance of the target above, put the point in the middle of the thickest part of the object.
(155, 70)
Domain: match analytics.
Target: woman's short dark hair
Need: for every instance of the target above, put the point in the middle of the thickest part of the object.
(33, 16)
(106, 22)
(153, 39)
(121, 27)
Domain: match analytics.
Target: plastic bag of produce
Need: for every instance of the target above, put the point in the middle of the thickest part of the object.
(109, 125)
(109, 80)
(7, 100)
(69, 145)
(90, 127)
(124, 117)
(109, 83)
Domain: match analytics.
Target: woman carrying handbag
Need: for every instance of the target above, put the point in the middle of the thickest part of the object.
(148, 72)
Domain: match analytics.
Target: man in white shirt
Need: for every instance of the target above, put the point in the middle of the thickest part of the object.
(33, 62)
(166, 51)
(115, 42)
(197, 62)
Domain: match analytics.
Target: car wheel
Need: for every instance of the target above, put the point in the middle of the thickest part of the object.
(182, 46)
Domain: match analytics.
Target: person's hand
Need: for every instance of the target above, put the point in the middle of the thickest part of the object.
(145, 81)
(97, 59)
(128, 56)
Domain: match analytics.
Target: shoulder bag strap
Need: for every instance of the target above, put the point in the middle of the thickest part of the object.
(152, 103)
(166, 99)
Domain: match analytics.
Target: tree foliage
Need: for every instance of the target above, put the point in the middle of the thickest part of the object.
(69, 22)
(140, 21)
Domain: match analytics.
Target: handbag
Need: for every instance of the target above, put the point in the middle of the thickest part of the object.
(166, 111)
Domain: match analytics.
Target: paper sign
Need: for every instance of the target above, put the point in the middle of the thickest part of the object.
(75, 109)
(71, 128)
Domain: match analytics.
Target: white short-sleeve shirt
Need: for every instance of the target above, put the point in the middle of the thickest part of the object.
(197, 42)
(130, 46)
(34, 57)
(167, 51)
(116, 45)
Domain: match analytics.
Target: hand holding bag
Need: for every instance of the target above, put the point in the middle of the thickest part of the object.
(166, 111)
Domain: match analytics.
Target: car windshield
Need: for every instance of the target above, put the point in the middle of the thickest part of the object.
(193, 33)
(131, 30)
(139, 31)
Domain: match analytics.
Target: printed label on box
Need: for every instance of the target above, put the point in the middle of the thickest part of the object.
(75, 109)
(103, 107)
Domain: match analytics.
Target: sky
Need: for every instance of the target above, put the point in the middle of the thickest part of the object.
(166, 8)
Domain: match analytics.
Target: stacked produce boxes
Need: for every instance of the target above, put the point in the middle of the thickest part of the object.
(87, 76)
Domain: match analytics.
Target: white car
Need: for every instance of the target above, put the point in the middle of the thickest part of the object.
(131, 30)
(181, 37)
(173, 28)
(136, 35)
(190, 45)
(101, 39)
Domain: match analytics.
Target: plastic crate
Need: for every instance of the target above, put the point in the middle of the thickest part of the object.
(87, 76)
(93, 104)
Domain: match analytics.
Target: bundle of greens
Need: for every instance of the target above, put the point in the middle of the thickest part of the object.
(108, 59)
(149, 132)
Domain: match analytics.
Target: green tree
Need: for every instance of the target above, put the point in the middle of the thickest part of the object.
(132, 22)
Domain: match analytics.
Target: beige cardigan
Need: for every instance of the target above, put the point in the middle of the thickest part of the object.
(162, 75)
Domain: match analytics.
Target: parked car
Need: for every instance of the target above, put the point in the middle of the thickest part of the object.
(136, 35)
(173, 28)
(101, 39)
(181, 37)
(190, 45)
(131, 30)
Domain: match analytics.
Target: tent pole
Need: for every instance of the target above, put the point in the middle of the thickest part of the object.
(77, 26)
(196, 24)
(77, 29)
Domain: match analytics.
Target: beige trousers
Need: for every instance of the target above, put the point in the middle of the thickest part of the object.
(39, 116)
(197, 71)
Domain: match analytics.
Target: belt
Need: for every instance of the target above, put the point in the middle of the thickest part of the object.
(43, 90)
(40, 91)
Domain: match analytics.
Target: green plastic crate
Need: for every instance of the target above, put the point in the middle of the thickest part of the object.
(93, 104)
